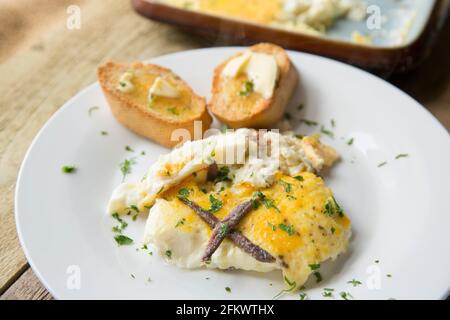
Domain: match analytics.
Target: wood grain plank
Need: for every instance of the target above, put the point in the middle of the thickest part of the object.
(27, 287)
(59, 64)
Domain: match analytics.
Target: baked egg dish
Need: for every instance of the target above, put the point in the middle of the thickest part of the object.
(304, 16)
(263, 213)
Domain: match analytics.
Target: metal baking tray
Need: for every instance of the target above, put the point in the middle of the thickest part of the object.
(416, 22)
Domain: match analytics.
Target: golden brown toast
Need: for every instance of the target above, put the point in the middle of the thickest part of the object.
(230, 106)
(126, 88)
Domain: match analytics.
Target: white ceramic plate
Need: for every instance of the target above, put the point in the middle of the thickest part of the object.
(400, 211)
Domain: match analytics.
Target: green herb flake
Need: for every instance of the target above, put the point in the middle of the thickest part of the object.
(168, 254)
(303, 296)
(184, 192)
(223, 229)
(345, 295)
(222, 174)
(216, 204)
(104, 133)
(333, 123)
(273, 227)
(270, 203)
(287, 186)
(333, 230)
(382, 164)
(247, 88)
(326, 131)
(92, 109)
(350, 141)
(332, 207)
(287, 116)
(309, 122)
(128, 148)
(300, 106)
(125, 167)
(327, 292)
(123, 240)
(355, 282)
(389, 275)
(299, 178)
(314, 266)
(173, 111)
(68, 169)
(180, 222)
(318, 276)
(401, 155)
(287, 228)
(292, 285)
(228, 289)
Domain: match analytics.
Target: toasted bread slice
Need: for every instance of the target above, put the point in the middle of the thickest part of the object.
(253, 110)
(155, 118)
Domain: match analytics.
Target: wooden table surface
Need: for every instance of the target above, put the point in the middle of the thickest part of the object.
(43, 64)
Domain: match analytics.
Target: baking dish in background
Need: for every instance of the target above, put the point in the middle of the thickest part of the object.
(385, 53)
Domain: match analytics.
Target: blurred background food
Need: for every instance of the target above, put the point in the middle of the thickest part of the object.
(44, 61)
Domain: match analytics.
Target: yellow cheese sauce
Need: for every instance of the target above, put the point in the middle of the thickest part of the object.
(260, 11)
(292, 222)
(175, 108)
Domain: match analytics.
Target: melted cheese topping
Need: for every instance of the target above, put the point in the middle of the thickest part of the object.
(297, 229)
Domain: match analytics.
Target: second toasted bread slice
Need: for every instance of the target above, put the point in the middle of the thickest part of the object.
(152, 101)
(236, 99)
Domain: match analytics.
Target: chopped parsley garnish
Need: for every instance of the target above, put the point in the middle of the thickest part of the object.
(354, 282)
(291, 284)
(247, 88)
(180, 222)
(299, 178)
(332, 207)
(287, 228)
(125, 167)
(104, 133)
(222, 174)
(318, 276)
(401, 155)
(333, 123)
(273, 227)
(287, 116)
(350, 141)
(314, 266)
(300, 106)
(287, 186)
(303, 296)
(142, 153)
(228, 289)
(223, 229)
(309, 122)
(333, 230)
(92, 109)
(382, 164)
(168, 254)
(128, 148)
(327, 292)
(345, 295)
(160, 190)
(377, 261)
(174, 111)
(184, 192)
(134, 207)
(216, 204)
(270, 203)
(389, 275)
(122, 226)
(327, 132)
(123, 240)
(68, 169)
